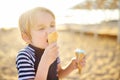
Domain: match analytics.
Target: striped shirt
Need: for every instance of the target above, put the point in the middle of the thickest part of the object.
(27, 62)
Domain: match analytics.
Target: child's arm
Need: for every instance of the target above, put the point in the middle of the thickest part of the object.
(42, 70)
(49, 56)
(69, 68)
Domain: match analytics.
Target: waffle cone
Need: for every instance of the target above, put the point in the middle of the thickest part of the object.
(79, 57)
(52, 37)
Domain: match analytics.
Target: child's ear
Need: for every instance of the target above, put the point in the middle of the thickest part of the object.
(26, 38)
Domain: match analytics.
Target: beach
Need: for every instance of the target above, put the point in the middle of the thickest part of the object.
(102, 54)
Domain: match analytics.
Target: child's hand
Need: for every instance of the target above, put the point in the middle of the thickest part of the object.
(51, 53)
(75, 63)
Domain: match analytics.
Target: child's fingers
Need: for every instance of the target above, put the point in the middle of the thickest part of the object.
(52, 45)
(83, 62)
(54, 49)
(51, 49)
(75, 63)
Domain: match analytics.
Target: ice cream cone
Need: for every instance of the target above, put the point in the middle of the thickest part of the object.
(79, 55)
(52, 37)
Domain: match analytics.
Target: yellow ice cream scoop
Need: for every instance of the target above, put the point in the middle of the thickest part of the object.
(52, 37)
(80, 54)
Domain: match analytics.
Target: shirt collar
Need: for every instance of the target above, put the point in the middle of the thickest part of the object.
(36, 49)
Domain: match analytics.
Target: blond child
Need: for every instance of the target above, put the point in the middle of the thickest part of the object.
(39, 60)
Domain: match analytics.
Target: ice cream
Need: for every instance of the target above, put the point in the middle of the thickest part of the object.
(52, 37)
(79, 55)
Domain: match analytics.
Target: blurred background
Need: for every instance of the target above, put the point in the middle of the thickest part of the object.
(91, 25)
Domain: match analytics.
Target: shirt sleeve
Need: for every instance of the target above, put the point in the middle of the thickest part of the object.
(24, 66)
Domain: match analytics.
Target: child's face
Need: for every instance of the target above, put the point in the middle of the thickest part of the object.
(44, 23)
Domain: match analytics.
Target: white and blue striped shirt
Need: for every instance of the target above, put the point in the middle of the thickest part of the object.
(25, 63)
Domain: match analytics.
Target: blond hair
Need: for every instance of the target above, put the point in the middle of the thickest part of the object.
(26, 19)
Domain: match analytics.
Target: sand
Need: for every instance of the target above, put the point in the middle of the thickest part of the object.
(102, 54)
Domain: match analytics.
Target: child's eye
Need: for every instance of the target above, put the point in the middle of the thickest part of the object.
(41, 28)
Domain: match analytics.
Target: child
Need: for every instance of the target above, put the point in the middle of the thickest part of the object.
(39, 60)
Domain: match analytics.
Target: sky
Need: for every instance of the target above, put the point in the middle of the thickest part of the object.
(10, 10)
